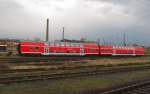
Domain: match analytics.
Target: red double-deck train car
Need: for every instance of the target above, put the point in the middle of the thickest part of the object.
(124, 51)
(139, 51)
(41, 48)
(62, 49)
(81, 49)
(106, 49)
(31, 47)
(90, 49)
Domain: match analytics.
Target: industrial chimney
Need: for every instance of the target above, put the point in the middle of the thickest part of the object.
(47, 30)
(63, 34)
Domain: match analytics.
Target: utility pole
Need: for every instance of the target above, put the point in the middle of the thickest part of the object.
(47, 30)
(63, 35)
(124, 39)
(104, 41)
(98, 41)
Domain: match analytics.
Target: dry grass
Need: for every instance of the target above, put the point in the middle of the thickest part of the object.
(107, 61)
(74, 64)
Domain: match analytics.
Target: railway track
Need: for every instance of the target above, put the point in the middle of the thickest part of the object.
(142, 87)
(37, 59)
(58, 58)
(76, 67)
(46, 75)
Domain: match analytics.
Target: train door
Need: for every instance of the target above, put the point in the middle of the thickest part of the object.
(46, 49)
(81, 50)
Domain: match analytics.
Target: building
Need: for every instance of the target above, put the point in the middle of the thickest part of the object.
(8, 47)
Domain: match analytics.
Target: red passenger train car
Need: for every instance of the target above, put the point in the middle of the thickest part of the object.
(31, 47)
(106, 49)
(139, 51)
(81, 49)
(41, 48)
(90, 49)
(124, 51)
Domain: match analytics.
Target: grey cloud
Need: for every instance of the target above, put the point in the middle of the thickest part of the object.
(7, 6)
(80, 21)
(138, 31)
(15, 22)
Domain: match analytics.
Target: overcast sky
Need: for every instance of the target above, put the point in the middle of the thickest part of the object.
(91, 19)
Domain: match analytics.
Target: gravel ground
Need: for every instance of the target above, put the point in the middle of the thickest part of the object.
(67, 86)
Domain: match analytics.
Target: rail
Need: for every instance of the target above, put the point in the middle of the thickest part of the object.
(80, 73)
(136, 88)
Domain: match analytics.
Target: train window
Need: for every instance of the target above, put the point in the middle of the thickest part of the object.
(57, 44)
(62, 44)
(2, 48)
(73, 45)
(88, 50)
(66, 45)
(70, 45)
(96, 50)
(34, 48)
(52, 44)
(93, 50)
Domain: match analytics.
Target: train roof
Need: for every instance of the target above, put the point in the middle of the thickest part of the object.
(31, 43)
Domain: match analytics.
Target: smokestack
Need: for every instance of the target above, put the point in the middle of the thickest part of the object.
(47, 30)
(63, 34)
